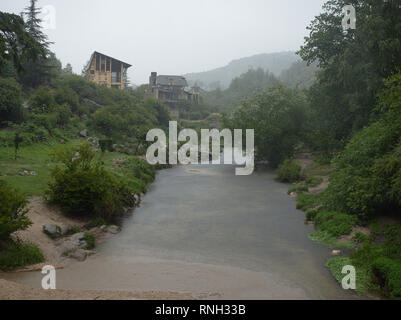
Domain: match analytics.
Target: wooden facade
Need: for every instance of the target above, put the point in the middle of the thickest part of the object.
(105, 70)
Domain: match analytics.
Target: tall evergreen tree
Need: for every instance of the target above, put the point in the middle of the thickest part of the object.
(33, 23)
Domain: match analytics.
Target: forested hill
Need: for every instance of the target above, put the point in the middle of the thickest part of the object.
(222, 77)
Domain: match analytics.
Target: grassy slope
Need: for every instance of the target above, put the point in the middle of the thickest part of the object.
(36, 157)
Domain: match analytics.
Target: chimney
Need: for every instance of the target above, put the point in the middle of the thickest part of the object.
(152, 79)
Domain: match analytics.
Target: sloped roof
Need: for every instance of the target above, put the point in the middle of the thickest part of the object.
(165, 80)
(127, 65)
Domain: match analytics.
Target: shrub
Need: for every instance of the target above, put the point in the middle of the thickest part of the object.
(289, 171)
(12, 211)
(389, 274)
(10, 100)
(335, 224)
(306, 201)
(311, 214)
(90, 241)
(84, 187)
(367, 178)
(106, 145)
(42, 101)
(97, 222)
(14, 254)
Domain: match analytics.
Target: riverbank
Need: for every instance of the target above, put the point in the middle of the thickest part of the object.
(351, 241)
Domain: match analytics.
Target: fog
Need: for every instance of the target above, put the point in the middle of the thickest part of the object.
(176, 36)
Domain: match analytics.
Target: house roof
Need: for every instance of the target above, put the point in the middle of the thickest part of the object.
(166, 80)
(127, 65)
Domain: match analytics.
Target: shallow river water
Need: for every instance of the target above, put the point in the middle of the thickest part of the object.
(203, 230)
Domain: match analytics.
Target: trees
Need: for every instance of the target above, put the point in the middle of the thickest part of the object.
(47, 67)
(353, 64)
(12, 211)
(367, 176)
(10, 100)
(278, 116)
(16, 44)
(82, 186)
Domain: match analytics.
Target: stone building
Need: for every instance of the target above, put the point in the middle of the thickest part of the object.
(171, 90)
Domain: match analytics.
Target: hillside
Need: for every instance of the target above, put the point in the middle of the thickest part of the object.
(222, 77)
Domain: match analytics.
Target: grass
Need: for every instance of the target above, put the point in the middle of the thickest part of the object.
(306, 201)
(327, 239)
(363, 275)
(37, 158)
(15, 254)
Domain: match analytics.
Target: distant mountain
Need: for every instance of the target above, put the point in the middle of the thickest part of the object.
(275, 63)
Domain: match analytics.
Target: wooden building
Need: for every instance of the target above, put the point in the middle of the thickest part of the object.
(105, 70)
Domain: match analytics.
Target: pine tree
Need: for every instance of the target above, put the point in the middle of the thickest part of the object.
(33, 24)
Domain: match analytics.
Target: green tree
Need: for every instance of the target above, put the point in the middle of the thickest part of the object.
(278, 116)
(16, 44)
(12, 211)
(353, 64)
(10, 100)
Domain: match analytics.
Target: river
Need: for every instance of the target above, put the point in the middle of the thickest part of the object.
(203, 230)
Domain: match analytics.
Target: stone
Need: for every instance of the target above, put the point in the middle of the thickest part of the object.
(79, 255)
(52, 230)
(103, 228)
(113, 229)
(84, 133)
(336, 252)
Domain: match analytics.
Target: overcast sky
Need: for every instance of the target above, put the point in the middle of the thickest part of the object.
(174, 36)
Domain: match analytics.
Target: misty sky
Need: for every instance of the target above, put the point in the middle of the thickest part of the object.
(174, 36)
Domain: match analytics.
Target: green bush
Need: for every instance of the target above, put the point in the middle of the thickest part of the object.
(12, 211)
(42, 101)
(335, 224)
(311, 214)
(10, 100)
(367, 176)
(15, 254)
(97, 222)
(289, 171)
(106, 145)
(389, 274)
(90, 241)
(84, 187)
(306, 201)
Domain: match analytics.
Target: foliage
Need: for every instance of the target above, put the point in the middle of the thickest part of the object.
(306, 201)
(12, 211)
(84, 187)
(389, 273)
(352, 63)
(106, 145)
(96, 222)
(240, 88)
(289, 171)
(15, 254)
(334, 223)
(90, 241)
(367, 176)
(17, 45)
(363, 276)
(277, 115)
(10, 100)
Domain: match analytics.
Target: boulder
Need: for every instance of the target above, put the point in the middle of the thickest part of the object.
(84, 133)
(336, 252)
(52, 230)
(79, 255)
(113, 229)
(73, 243)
